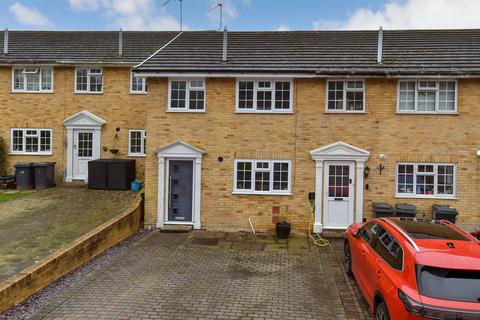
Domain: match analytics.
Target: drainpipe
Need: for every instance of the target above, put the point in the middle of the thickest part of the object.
(380, 45)
(5, 42)
(225, 44)
(120, 42)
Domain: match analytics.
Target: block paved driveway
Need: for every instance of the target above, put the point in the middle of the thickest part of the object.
(209, 276)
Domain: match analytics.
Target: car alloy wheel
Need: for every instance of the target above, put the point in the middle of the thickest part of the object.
(347, 260)
(381, 312)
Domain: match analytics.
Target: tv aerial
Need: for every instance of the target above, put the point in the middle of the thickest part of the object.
(219, 5)
(181, 9)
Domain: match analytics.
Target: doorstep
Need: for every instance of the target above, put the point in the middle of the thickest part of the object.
(176, 228)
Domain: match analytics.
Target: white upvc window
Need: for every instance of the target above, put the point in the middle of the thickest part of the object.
(345, 96)
(264, 96)
(30, 141)
(137, 142)
(262, 177)
(32, 79)
(427, 96)
(429, 180)
(186, 95)
(137, 84)
(89, 80)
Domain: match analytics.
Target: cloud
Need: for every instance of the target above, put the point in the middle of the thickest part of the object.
(130, 14)
(283, 28)
(411, 14)
(29, 15)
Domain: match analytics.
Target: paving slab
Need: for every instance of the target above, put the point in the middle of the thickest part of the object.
(165, 276)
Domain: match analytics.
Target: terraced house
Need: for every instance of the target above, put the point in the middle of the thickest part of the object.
(247, 124)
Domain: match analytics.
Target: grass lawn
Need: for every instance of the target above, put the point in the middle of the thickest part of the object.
(11, 195)
(35, 223)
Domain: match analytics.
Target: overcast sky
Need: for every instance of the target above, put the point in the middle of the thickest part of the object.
(239, 14)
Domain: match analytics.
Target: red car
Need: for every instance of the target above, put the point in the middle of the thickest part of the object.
(415, 268)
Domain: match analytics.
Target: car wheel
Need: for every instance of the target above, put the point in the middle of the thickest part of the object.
(347, 259)
(381, 312)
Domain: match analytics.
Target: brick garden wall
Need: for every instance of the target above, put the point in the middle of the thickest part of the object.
(16, 289)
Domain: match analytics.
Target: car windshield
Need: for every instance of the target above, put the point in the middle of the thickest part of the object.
(429, 229)
(449, 284)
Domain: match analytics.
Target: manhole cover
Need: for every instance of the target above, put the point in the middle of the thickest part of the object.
(205, 241)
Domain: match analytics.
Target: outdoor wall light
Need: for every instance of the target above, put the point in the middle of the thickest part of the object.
(116, 134)
(381, 167)
(366, 172)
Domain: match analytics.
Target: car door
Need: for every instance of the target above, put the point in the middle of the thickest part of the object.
(363, 258)
(388, 265)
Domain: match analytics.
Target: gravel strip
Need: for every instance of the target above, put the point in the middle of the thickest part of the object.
(36, 302)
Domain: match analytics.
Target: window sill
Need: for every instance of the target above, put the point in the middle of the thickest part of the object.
(87, 92)
(264, 112)
(343, 112)
(261, 193)
(136, 155)
(185, 111)
(30, 153)
(141, 93)
(429, 113)
(34, 92)
(425, 197)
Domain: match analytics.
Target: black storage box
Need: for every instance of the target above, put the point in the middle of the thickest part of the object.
(444, 212)
(44, 174)
(97, 174)
(381, 210)
(405, 210)
(111, 174)
(24, 176)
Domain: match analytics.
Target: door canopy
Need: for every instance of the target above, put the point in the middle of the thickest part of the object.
(180, 149)
(339, 151)
(84, 119)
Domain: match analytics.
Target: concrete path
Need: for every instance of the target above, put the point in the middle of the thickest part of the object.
(215, 276)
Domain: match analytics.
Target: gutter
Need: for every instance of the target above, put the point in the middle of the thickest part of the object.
(293, 74)
(65, 63)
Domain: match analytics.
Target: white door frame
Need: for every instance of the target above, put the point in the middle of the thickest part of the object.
(339, 151)
(76, 132)
(83, 120)
(351, 188)
(167, 189)
(179, 151)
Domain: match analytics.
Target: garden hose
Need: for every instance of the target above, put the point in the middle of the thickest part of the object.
(316, 237)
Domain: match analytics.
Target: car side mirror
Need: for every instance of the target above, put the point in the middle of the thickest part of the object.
(356, 233)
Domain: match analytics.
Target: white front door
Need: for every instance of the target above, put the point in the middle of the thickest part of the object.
(339, 195)
(82, 153)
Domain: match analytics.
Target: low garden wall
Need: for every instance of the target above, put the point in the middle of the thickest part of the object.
(32, 279)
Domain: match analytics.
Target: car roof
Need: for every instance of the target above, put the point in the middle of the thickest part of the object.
(429, 229)
(425, 234)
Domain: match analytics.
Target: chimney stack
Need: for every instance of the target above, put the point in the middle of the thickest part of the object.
(120, 42)
(225, 44)
(380, 45)
(5, 42)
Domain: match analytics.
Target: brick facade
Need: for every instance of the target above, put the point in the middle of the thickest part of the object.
(221, 132)
(116, 106)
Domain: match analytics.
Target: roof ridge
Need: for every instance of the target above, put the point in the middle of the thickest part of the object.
(163, 47)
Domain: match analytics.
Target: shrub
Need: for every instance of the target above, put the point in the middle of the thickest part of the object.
(3, 157)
